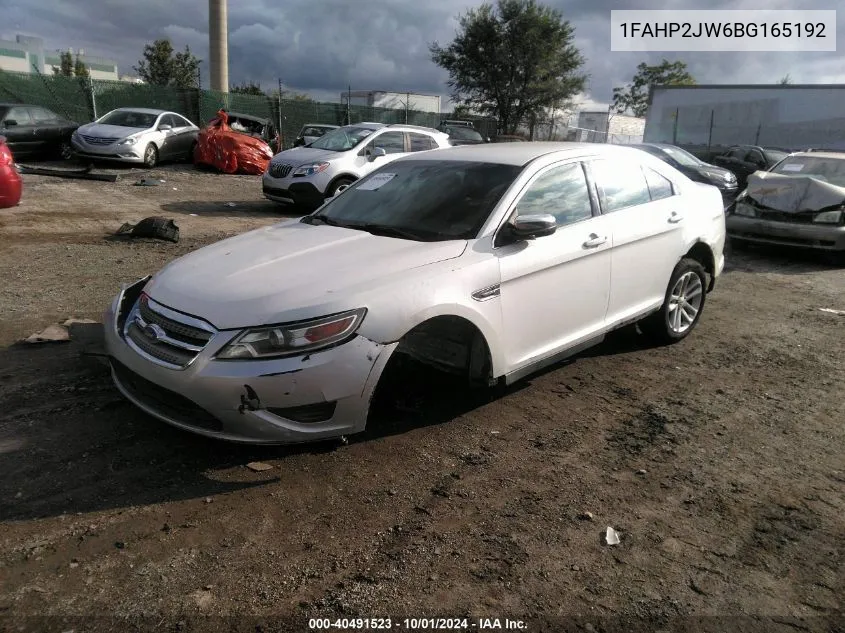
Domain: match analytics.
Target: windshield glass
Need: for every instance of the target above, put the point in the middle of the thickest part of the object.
(342, 139)
(774, 156)
(682, 156)
(830, 170)
(463, 133)
(129, 118)
(425, 200)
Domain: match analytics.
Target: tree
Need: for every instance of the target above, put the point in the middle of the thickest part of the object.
(65, 68)
(248, 89)
(79, 68)
(161, 66)
(512, 61)
(634, 97)
(786, 79)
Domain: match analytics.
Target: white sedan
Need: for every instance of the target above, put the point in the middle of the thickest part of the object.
(490, 261)
(137, 135)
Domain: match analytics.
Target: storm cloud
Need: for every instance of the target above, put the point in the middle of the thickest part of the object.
(323, 46)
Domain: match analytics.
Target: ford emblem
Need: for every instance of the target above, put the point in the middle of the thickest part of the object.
(154, 332)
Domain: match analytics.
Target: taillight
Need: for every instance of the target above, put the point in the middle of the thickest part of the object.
(6, 156)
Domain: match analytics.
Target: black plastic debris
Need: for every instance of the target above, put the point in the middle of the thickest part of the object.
(154, 227)
(86, 173)
(148, 182)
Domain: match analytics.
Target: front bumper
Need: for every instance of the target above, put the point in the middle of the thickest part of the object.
(248, 401)
(122, 153)
(813, 236)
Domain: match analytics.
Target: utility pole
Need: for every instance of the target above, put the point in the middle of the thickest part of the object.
(93, 97)
(348, 101)
(280, 115)
(407, 105)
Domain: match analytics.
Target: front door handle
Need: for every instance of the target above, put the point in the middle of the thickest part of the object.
(594, 241)
(675, 217)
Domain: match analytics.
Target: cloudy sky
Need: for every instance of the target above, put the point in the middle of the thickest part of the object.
(321, 46)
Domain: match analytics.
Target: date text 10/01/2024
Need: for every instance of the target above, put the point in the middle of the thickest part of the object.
(416, 624)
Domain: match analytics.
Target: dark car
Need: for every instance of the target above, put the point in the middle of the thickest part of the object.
(256, 127)
(744, 160)
(694, 168)
(33, 131)
(509, 138)
(462, 134)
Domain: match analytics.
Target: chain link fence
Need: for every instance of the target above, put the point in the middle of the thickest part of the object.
(587, 135)
(82, 100)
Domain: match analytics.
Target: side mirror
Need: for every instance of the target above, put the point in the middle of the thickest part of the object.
(377, 153)
(527, 227)
(164, 127)
(10, 123)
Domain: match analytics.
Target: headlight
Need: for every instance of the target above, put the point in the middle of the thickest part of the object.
(310, 169)
(128, 141)
(293, 338)
(828, 217)
(75, 134)
(745, 209)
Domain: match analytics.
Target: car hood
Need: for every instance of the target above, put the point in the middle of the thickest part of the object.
(302, 155)
(715, 169)
(109, 131)
(793, 193)
(288, 272)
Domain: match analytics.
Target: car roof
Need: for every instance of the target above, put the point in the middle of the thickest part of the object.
(146, 111)
(249, 117)
(519, 154)
(822, 154)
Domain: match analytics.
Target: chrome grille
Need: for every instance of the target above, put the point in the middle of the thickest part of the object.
(165, 336)
(280, 170)
(98, 140)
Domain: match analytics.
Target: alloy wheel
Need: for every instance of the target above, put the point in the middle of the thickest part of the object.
(685, 302)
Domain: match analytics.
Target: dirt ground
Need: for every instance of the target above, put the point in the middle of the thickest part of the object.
(719, 461)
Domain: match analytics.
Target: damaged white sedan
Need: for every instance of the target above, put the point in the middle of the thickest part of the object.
(488, 261)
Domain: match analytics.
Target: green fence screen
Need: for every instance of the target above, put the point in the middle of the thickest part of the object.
(82, 100)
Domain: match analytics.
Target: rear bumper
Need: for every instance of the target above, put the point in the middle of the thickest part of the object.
(817, 237)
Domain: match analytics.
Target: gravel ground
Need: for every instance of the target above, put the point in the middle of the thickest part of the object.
(719, 461)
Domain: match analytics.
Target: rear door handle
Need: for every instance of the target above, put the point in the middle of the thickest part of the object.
(675, 217)
(594, 241)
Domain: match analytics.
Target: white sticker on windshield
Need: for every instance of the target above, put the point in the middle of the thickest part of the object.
(792, 167)
(375, 182)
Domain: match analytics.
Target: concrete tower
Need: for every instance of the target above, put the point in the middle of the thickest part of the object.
(218, 44)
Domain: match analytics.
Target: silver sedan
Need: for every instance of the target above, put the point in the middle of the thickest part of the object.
(137, 135)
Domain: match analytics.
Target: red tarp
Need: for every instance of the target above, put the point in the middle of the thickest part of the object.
(229, 151)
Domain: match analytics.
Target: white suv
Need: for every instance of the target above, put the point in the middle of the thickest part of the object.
(306, 176)
(490, 261)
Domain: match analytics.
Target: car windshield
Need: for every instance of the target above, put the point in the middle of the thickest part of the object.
(342, 139)
(774, 156)
(463, 133)
(830, 170)
(423, 200)
(682, 156)
(129, 118)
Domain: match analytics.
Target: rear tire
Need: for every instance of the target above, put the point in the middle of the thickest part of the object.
(150, 156)
(682, 305)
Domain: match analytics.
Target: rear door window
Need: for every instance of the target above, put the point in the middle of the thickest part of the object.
(622, 184)
(420, 142)
(391, 142)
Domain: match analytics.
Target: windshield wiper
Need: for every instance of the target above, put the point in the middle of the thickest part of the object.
(387, 231)
(321, 219)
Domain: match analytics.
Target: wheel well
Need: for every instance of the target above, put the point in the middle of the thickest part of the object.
(340, 177)
(452, 344)
(701, 253)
